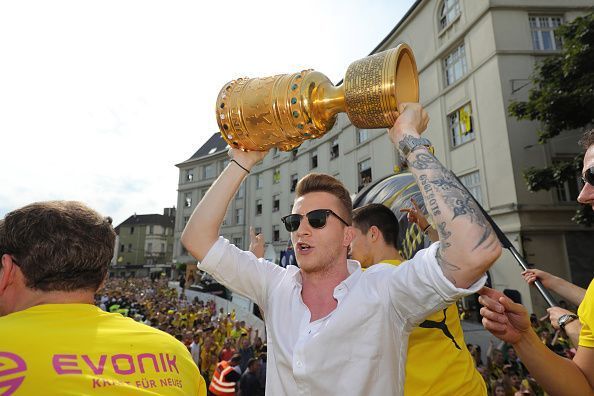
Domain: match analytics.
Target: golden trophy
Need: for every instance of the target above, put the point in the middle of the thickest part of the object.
(284, 110)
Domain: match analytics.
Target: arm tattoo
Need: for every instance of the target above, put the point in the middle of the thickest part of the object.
(447, 267)
(439, 182)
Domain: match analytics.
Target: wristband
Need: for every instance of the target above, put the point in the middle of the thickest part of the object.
(238, 164)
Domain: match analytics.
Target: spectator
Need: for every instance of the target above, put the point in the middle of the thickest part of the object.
(228, 350)
(54, 256)
(249, 384)
(225, 377)
(246, 351)
(195, 347)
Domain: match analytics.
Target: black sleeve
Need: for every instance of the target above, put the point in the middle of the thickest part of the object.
(232, 376)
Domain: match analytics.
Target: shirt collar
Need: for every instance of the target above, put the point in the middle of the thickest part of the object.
(353, 268)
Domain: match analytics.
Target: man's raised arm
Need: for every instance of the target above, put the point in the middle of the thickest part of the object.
(468, 245)
(202, 230)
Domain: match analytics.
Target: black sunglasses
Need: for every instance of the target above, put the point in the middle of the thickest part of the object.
(588, 176)
(316, 218)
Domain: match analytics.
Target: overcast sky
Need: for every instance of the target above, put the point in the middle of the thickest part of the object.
(100, 99)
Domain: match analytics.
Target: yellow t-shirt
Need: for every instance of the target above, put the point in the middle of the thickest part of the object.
(438, 362)
(586, 314)
(78, 349)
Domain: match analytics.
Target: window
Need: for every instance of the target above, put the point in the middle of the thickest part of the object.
(224, 164)
(149, 247)
(543, 33)
(362, 135)
(472, 182)
(275, 203)
(237, 242)
(364, 173)
(258, 207)
(258, 230)
(208, 171)
(570, 189)
(239, 216)
(259, 181)
(151, 230)
(122, 248)
(276, 176)
(460, 125)
(314, 159)
(294, 180)
(203, 192)
(186, 219)
(188, 200)
(162, 248)
(450, 10)
(131, 230)
(129, 247)
(454, 65)
(240, 192)
(275, 233)
(275, 152)
(294, 154)
(334, 149)
(189, 175)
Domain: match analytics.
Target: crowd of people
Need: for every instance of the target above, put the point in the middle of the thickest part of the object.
(332, 328)
(211, 335)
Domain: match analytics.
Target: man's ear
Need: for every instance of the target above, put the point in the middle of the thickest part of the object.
(349, 235)
(374, 233)
(7, 272)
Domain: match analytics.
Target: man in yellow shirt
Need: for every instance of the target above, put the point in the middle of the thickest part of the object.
(53, 339)
(510, 322)
(438, 362)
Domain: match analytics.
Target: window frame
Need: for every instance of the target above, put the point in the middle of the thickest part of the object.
(449, 122)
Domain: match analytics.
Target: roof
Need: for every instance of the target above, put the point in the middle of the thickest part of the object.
(215, 144)
(147, 219)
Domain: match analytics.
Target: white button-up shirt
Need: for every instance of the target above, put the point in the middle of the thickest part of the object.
(359, 348)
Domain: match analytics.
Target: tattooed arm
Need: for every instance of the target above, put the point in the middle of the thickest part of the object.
(468, 245)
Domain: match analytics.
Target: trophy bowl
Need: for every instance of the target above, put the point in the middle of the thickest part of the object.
(285, 110)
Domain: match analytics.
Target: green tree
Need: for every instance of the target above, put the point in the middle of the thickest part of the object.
(562, 99)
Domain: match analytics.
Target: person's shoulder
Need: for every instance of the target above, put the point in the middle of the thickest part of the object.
(379, 267)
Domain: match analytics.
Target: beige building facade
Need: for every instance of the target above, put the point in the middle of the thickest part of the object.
(474, 57)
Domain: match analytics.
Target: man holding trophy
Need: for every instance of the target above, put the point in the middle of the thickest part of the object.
(331, 328)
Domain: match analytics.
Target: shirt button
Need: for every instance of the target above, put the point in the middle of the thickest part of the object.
(299, 364)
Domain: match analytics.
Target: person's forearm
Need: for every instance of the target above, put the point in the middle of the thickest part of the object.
(572, 293)
(557, 375)
(572, 329)
(202, 229)
(469, 246)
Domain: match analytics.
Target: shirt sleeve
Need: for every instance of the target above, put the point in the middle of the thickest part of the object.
(586, 314)
(241, 271)
(418, 287)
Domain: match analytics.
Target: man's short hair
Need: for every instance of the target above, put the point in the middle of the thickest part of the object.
(382, 217)
(251, 362)
(58, 245)
(587, 139)
(321, 182)
(236, 358)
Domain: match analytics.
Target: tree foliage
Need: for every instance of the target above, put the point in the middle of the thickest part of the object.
(562, 98)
